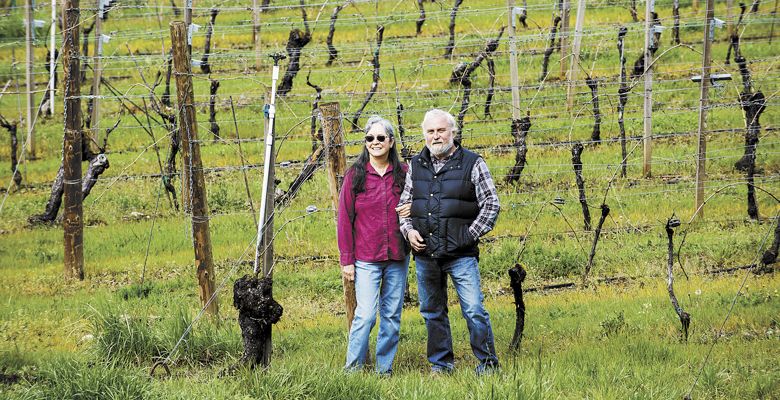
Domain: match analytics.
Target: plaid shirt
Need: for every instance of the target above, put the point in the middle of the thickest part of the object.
(487, 197)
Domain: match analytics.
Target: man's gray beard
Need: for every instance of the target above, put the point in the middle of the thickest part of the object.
(444, 150)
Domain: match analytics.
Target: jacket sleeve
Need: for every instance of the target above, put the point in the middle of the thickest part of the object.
(345, 221)
(487, 197)
(405, 224)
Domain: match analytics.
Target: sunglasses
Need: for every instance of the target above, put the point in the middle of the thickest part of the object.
(379, 138)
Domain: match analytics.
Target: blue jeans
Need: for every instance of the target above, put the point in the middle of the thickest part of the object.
(377, 285)
(432, 289)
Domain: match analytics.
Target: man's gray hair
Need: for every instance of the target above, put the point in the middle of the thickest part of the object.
(435, 112)
(375, 119)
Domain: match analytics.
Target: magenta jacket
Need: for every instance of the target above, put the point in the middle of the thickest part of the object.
(367, 223)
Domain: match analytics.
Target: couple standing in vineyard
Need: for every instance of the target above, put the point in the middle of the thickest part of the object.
(439, 204)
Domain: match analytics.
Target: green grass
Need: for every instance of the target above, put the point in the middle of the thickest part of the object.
(99, 338)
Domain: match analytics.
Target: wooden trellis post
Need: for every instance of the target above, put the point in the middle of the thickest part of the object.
(256, 33)
(188, 13)
(333, 137)
(575, 54)
(266, 244)
(188, 25)
(97, 71)
(52, 54)
(701, 160)
(513, 63)
(190, 151)
(73, 212)
(29, 31)
(563, 35)
(648, 95)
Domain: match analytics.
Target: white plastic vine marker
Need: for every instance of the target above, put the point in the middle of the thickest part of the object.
(516, 12)
(193, 28)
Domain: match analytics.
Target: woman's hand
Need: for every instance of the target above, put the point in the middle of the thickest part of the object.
(348, 272)
(405, 210)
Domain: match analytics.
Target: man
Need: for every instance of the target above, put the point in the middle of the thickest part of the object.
(453, 203)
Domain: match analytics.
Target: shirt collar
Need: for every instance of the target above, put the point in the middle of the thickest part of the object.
(445, 159)
(370, 168)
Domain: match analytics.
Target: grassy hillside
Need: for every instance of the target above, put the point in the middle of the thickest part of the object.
(616, 338)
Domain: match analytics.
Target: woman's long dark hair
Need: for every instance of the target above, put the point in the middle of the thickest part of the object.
(359, 166)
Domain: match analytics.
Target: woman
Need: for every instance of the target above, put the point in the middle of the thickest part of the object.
(373, 252)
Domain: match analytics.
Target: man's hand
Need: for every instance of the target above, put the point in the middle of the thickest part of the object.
(404, 211)
(348, 272)
(417, 242)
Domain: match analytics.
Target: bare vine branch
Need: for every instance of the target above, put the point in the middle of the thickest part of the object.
(380, 31)
(451, 44)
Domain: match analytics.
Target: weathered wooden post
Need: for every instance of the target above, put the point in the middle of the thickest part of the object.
(72, 221)
(29, 32)
(622, 99)
(648, 94)
(264, 250)
(97, 71)
(513, 63)
(701, 158)
(191, 156)
(256, 33)
(575, 54)
(52, 55)
(333, 137)
(563, 41)
(268, 236)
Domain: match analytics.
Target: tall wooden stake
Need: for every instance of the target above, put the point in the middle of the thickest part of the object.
(701, 157)
(648, 95)
(256, 32)
(730, 17)
(97, 71)
(188, 13)
(268, 235)
(190, 150)
(563, 37)
(333, 137)
(513, 63)
(28, 31)
(72, 215)
(574, 62)
(52, 54)
(160, 25)
(188, 24)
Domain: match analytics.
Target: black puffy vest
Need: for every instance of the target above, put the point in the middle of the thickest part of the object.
(444, 204)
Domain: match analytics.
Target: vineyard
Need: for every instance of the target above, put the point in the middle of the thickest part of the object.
(636, 285)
